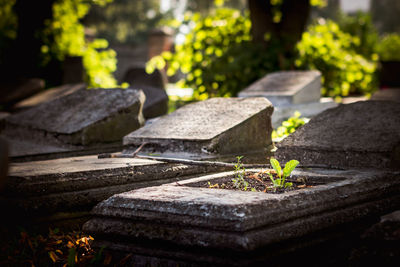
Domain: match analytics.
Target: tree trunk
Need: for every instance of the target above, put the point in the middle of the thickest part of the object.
(23, 59)
(288, 31)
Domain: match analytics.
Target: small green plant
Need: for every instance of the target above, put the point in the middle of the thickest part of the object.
(239, 182)
(280, 183)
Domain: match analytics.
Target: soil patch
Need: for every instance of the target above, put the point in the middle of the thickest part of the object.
(256, 182)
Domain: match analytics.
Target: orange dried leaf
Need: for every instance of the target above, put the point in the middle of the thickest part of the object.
(70, 244)
(53, 256)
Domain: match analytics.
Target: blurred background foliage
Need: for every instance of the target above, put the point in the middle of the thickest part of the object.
(218, 54)
(62, 35)
(326, 48)
(289, 126)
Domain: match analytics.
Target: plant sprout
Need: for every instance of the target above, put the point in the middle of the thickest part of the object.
(282, 175)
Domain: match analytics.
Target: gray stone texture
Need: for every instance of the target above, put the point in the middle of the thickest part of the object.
(307, 110)
(392, 94)
(287, 87)
(214, 126)
(82, 118)
(39, 189)
(363, 134)
(380, 243)
(181, 222)
(49, 95)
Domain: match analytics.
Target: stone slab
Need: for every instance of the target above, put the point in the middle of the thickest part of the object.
(156, 103)
(390, 94)
(75, 122)
(362, 134)
(287, 87)
(307, 110)
(380, 243)
(215, 126)
(69, 185)
(49, 94)
(201, 226)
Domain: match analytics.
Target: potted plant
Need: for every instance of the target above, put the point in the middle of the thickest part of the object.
(389, 54)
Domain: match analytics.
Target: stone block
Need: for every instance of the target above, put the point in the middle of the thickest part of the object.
(307, 110)
(153, 86)
(392, 94)
(217, 126)
(69, 186)
(362, 134)
(156, 103)
(218, 227)
(49, 95)
(287, 87)
(82, 118)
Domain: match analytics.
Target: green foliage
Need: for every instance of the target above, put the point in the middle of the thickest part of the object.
(326, 48)
(125, 21)
(362, 29)
(218, 56)
(8, 25)
(280, 183)
(389, 47)
(65, 36)
(289, 126)
(8, 19)
(239, 182)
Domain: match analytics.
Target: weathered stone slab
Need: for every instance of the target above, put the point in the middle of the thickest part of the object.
(287, 87)
(83, 118)
(362, 134)
(381, 243)
(48, 95)
(307, 110)
(180, 222)
(387, 95)
(213, 127)
(71, 185)
(156, 103)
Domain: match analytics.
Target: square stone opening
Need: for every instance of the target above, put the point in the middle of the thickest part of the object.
(299, 181)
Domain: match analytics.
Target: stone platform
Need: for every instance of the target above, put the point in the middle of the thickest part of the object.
(180, 223)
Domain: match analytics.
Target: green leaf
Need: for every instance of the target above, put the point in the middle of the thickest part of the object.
(272, 178)
(277, 183)
(289, 167)
(277, 167)
(288, 185)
